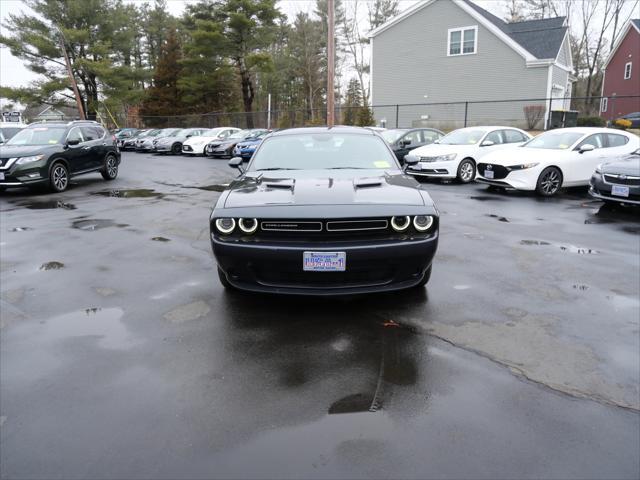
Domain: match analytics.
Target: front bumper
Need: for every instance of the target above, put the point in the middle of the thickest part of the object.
(162, 148)
(448, 169)
(221, 152)
(525, 179)
(371, 267)
(15, 177)
(602, 190)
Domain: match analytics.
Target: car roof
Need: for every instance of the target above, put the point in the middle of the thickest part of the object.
(317, 130)
(586, 130)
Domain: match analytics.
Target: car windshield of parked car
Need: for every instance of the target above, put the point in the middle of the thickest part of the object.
(9, 132)
(38, 136)
(392, 135)
(240, 134)
(323, 151)
(557, 140)
(462, 137)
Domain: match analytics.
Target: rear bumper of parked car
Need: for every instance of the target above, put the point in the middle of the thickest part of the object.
(434, 169)
(603, 191)
(371, 267)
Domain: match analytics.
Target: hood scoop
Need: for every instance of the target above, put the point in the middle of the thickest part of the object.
(367, 182)
(279, 184)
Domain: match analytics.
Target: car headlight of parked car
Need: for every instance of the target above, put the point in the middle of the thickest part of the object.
(445, 158)
(523, 166)
(225, 225)
(34, 158)
(599, 168)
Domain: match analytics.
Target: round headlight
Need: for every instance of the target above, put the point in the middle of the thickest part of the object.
(422, 223)
(400, 224)
(225, 225)
(248, 225)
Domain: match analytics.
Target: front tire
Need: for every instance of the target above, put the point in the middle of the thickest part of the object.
(110, 170)
(58, 178)
(549, 182)
(176, 149)
(466, 171)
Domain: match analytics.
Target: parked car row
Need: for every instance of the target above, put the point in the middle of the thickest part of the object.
(507, 157)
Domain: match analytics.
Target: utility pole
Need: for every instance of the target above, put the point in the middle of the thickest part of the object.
(269, 112)
(71, 77)
(331, 64)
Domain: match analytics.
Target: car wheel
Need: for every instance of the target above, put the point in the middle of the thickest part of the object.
(176, 149)
(223, 280)
(549, 182)
(425, 279)
(466, 171)
(58, 177)
(110, 170)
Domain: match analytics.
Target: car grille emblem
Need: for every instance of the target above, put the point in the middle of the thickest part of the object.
(489, 167)
(622, 177)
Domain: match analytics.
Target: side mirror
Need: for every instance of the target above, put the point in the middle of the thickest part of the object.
(236, 162)
(586, 148)
(189, 136)
(410, 160)
(487, 143)
(73, 141)
(405, 143)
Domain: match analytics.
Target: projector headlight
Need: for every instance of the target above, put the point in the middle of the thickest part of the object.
(400, 224)
(34, 158)
(225, 225)
(422, 223)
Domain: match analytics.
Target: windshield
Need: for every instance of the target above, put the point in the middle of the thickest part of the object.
(174, 133)
(240, 134)
(323, 151)
(462, 137)
(211, 133)
(38, 136)
(557, 140)
(392, 135)
(8, 132)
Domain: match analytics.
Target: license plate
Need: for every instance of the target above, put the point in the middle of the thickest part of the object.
(620, 191)
(1, 176)
(488, 173)
(324, 261)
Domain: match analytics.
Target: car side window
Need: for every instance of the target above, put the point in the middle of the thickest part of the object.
(513, 136)
(596, 140)
(617, 140)
(75, 134)
(90, 133)
(429, 136)
(495, 137)
(413, 137)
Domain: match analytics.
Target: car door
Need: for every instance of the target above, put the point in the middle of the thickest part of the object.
(95, 146)
(427, 137)
(77, 155)
(406, 143)
(582, 164)
(513, 137)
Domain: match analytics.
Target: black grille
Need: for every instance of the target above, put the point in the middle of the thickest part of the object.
(498, 170)
(634, 181)
(3, 161)
(356, 225)
(299, 279)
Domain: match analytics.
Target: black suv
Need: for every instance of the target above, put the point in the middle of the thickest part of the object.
(51, 153)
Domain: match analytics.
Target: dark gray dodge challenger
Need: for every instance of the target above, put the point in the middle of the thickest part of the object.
(323, 211)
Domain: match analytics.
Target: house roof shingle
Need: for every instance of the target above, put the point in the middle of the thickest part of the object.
(542, 38)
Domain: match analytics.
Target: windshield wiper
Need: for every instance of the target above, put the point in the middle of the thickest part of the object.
(274, 168)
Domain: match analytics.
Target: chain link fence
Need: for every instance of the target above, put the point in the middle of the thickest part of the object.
(529, 114)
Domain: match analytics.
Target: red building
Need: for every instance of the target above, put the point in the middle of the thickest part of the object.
(622, 74)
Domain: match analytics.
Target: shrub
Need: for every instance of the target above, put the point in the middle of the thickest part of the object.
(622, 123)
(591, 122)
(533, 114)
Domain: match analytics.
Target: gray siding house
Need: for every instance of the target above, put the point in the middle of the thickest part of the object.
(442, 51)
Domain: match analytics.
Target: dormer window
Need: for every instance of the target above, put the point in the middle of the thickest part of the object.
(627, 70)
(462, 41)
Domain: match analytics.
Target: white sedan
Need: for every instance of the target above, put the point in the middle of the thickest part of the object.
(565, 157)
(456, 154)
(196, 145)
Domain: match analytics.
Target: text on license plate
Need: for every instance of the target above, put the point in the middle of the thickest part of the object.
(620, 191)
(324, 261)
(1, 176)
(488, 173)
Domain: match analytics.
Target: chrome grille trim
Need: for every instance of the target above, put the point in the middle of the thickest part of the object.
(290, 226)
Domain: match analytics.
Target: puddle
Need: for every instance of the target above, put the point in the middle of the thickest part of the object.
(634, 230)
(47, 205)
(216, 187)
(132, 193)
(486, 198)
(160, 239)
(52, 266)
(461, 287)
(533, 242)
(581, 287)
(96, 224)
(92, 311)
(20, 229)
(564, 248)
(358, 402)
(500, 219)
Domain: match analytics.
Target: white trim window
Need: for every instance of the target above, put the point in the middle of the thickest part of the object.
(604, 104)
(462, 41)
(627, 70)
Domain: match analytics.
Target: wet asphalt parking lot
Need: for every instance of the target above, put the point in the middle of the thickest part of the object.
(123, 357)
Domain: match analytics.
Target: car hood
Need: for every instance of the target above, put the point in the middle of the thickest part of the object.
(436, 149)
(321, 187)
(519, 155)
(629, 165)
(248, 143)
(10, 151)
